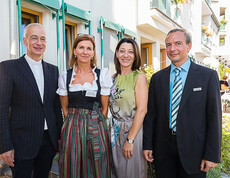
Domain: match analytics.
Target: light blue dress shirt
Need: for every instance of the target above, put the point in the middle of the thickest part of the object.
(183, 74)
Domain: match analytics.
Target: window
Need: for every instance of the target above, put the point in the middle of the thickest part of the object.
(29, 16)
(109, 43)
(222, 41)
(222, 18)
(146, 54)
(163, 58)
(70, 35)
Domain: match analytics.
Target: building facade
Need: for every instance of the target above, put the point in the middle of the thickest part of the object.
(147, 21)
(221, 51)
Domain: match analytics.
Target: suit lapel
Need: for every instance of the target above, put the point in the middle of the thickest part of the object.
(191, 79)
(46, 80)
(165, 81)
(28, 74)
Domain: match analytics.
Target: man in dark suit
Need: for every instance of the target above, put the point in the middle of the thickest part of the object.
(30, 114)
(182, 128)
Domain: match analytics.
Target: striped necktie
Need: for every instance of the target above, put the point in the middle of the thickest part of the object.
(176, 97)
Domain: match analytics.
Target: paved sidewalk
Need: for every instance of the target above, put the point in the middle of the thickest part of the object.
(225, 175)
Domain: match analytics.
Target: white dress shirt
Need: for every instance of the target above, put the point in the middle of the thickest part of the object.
(36, 67)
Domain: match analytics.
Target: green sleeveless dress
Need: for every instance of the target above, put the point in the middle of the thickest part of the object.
(123, 109)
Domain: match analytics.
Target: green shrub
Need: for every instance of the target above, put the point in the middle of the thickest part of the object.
(222, 70)
(150, 170)
(148, 70)
(225, 151)
(225, 147)
(215, 172)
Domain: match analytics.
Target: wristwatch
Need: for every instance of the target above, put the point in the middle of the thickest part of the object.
(130, 141)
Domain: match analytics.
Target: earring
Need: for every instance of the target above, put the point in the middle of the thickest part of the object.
(75, 56)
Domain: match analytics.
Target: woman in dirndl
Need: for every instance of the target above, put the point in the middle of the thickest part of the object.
(84, 93)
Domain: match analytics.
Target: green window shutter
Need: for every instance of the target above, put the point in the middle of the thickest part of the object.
(130, 33)
(54, 4)
(112, 26)
(77, 13)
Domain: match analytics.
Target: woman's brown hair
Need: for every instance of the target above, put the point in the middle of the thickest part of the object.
(73, 59)
(137, 57)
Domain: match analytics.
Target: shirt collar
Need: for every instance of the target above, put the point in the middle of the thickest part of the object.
(184, 66)
(31, 61)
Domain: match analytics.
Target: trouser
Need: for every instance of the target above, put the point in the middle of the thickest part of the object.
(39, 166)
(171, 166)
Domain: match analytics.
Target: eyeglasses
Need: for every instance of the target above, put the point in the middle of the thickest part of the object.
(82, 34)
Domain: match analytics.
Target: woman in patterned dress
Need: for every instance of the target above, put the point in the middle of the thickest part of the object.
(128, 105)
(84, 94)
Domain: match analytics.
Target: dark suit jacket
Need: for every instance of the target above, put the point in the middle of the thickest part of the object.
(22, 111)
(198, 121)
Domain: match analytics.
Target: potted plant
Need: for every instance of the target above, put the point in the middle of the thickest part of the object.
(223, 21)
(204, 29)
(182, 1)
(208, 33)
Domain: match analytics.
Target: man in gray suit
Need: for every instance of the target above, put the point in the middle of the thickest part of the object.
(30, 114)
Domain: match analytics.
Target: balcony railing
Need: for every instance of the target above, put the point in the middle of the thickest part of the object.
(163, 5)
(222, 44)
(222, 26)
(208, 1)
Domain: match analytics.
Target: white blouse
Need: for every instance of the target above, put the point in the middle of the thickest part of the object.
(105, 82)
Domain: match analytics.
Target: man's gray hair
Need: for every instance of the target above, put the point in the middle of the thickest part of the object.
(30, 25)
(186, 34)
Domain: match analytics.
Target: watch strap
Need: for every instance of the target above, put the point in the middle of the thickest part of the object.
(129, 140)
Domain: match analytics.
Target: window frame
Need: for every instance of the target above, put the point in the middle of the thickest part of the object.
(23, 9)
(150, 52)
(68, 26)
